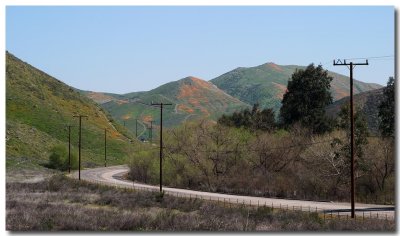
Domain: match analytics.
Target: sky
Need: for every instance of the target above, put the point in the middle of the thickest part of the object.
(134, 48)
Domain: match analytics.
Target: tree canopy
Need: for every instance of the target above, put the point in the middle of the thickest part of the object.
(256, 119)
(360, 129)
(386, 109)
(307, 95)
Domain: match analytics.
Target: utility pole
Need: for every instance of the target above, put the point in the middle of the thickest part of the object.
(105, 147)
(136, 127)
(80, 141)
(161, 140)
(151, 132)
(69, 148)
(352, 151)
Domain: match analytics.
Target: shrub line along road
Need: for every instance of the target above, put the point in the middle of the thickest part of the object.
(112, 176)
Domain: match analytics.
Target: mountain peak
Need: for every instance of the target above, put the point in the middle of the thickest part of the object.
(273, 66)
(192, 78)
(265, 84)
(196, 82)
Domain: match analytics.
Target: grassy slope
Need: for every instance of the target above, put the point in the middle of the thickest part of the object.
(367, 101)
(38, 108)
(191, 98)
(100, 97)
(267, 83)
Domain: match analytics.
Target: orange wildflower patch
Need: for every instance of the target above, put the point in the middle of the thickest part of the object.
(120, 102)
(281, 90)
(114, 134)
(194, 89)
(187, 90)
(201, 83)
(205, 111)
(126, 117)
(194, 101)
(275, 67)
(147, 118)
(185, 108)
(99, 97)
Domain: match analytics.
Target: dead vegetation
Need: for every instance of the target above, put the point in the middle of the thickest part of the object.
(60, 203)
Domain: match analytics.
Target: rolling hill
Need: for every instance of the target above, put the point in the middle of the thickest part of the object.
(191, 98)
(368, 102)
(38, 110)
(194, 98)
(101, 98)
(266, 84)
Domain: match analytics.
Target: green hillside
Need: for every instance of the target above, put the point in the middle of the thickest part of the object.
(267, 83)
(191, 98)
(38, 110)
(101, 98)
(368, 102)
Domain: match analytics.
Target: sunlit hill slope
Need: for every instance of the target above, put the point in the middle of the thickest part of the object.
(38, 110)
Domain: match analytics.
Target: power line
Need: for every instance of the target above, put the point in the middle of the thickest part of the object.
(369, 58)
(386, 57)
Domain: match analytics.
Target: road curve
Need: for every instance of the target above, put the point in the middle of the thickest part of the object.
(112, 176)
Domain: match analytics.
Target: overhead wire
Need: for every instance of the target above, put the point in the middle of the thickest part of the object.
(369, 58)
(384, 57)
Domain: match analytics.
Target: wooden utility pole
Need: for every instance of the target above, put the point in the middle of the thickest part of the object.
(136, 127)
(69, 148)
(105, 147)
(80, 141)
(352, 150)
(151, 132)
(161, 140)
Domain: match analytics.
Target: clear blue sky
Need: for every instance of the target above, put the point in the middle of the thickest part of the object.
(126, 49)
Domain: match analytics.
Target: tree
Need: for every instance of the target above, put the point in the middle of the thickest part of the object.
(274, 153)
(360, 132)
(308, 93)
(386, 110)
(325, 161)
(212, 151)
(380, 155)
(256, 119)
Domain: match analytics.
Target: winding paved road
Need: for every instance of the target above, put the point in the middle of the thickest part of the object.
(112, 176)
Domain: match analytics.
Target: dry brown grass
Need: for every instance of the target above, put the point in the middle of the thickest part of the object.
(60, 203)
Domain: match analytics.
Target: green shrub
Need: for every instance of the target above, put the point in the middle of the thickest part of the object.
(58, 159)
(143, 167)
(159, 196)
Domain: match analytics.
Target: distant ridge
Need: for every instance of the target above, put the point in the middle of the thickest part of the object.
(368, 102)
(266, 84)
(192, 98)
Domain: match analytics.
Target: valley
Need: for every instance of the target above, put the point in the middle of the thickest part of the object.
(201, 155)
